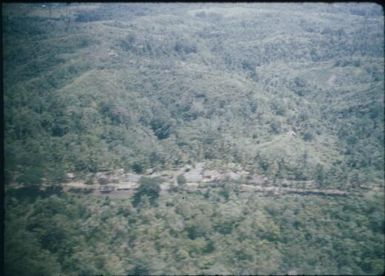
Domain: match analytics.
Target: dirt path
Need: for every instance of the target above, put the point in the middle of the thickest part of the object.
(123, 190)
(123, 185)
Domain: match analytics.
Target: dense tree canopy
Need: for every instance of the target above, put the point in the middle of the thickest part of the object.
(290, 92)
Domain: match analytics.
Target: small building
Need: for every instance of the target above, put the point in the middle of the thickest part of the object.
(130, 177)
(150, 171)
(233, 176)
(106, 189)
(70, 176)
(246, 188)
(211, 176)
(126, 186)
(256, 179)
(291, 133)
(119, 172)
(124, 189)
(112, 53)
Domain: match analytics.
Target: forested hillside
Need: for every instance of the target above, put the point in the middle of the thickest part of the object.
(290, 92)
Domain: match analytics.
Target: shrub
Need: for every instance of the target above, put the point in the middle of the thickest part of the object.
(275, 127)
(162, 128)
(319, 175)
(308, 136)
(181, 180)
(149, 187)
(31, 176)
(138, 167)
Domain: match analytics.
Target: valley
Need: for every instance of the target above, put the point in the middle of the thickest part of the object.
(193, 138)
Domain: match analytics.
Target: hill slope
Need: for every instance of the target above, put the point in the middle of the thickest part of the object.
(109, 86)
(290, 92)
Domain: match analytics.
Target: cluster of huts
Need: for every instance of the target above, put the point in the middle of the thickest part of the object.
(197, 177)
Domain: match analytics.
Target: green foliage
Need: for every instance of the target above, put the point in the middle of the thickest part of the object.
(138, 168)
(140, 269)
(308, 136)
(147, 187)
(181, 180)
(85, 89)
(67, 234)
(319, 175)
(161, 128)
(26, 257)
(31, 176)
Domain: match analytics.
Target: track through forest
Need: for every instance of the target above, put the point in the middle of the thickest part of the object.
(198, 179)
